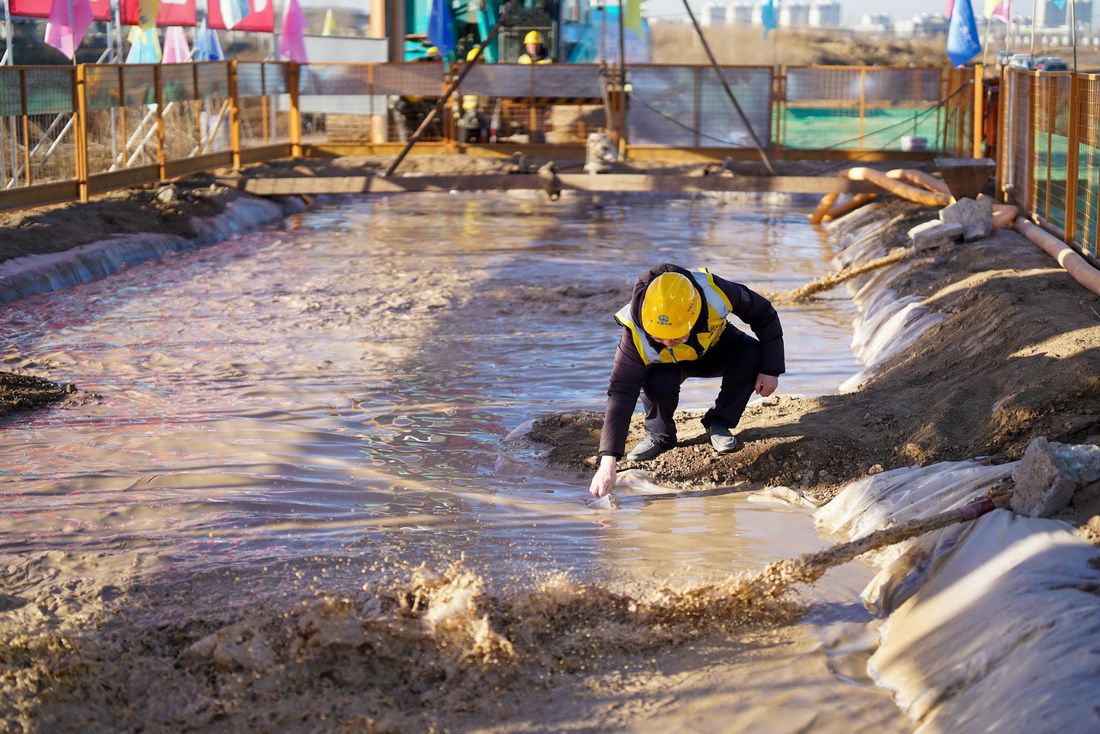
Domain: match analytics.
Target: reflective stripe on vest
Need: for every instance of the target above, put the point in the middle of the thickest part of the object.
(718, 307)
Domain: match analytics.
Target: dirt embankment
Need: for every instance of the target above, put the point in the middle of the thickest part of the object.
(1017, 356)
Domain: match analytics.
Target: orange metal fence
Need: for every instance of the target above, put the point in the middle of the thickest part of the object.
(1049, 154)
(67, 133)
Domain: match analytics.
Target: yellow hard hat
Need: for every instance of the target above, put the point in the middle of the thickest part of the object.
(432, 51)
(532, 37)
(472, 53)
(670, 307)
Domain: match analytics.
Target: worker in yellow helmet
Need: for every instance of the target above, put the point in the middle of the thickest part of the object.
(472, 117)
(675, 327)
(535, 50)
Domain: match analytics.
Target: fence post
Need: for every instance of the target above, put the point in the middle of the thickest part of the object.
(26, 126)
(196, 107)
(123, 138)
(862, 102)
(295, 115)
(1031, 196)
(979, 109)
(1072, 159)
(697, 122)
(80, 107)
(234, 116)
(158, 88)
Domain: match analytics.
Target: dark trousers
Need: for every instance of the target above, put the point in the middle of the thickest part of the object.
(735, 358)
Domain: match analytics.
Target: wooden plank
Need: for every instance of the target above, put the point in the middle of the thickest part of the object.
(579, 181)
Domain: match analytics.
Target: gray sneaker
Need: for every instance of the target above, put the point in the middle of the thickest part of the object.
(648, 448)
(722, 439)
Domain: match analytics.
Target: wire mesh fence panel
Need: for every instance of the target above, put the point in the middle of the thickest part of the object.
(957, 121)
(861, 108)
(821, 108)
(422, 79)
(718, 121)
(213, 90)
(47, 135)
(1088, 164)
(139, 117)
(567, 81)
(410, 92)
(336, 102)
(262, 92)
(1052, 146)
(1019, 133)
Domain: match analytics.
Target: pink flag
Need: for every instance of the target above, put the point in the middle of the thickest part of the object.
(69, 19)
(291, 43)
(176, 50)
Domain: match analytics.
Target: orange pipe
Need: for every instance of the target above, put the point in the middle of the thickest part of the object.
(904, 190)
(853, 202)
(823, 207)
(919, 178)
(1066, 256)
(1004, 215)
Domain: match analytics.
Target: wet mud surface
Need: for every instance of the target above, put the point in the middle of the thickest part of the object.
(336, 644)
(134, 637)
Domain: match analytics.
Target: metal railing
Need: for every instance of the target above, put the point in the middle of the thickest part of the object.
(68, 133)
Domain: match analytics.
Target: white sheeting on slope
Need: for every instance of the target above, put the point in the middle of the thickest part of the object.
(42, 273)
(1000, 638)
(988, 628)
(885, 325)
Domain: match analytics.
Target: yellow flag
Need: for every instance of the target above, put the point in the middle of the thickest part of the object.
(632, 16)
(147, 13)
(330, 24)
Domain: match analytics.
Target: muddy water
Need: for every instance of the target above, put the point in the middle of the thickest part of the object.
(328, 400)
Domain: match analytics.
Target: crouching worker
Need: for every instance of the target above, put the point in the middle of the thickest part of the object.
(674, 328)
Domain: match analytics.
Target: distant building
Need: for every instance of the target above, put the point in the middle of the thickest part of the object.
(824, 14)
(924, 25)
(875, 23)
(714, 14)
(793, 14)
(739, 14)
(1049, 15)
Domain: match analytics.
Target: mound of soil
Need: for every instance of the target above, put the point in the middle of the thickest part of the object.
(1017, 356)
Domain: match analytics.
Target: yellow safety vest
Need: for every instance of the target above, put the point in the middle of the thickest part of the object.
(718, 307)
(526, 59)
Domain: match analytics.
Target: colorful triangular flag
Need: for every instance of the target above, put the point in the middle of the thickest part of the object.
(176, 50)
(329, 28)
(962, 34)
(291, 43)
(69, 21)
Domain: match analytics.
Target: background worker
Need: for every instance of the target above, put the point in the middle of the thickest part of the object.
(675, 327)
(472, 115)
(535, 50)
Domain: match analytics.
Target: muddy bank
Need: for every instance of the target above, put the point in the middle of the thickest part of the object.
(1015, 356)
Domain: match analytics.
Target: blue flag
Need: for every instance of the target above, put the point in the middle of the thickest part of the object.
(767, 16)
(441, 27)
(962, 34)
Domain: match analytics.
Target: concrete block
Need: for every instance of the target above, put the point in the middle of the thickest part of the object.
(1050, 473)
(975, 215)
(934, 233)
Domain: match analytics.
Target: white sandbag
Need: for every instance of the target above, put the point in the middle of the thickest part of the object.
(1004, 636)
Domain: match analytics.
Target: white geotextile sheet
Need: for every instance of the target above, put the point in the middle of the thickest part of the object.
(1003, 635)
(897, 496)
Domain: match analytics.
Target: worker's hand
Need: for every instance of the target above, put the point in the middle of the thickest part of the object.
(605, 477)
(766, 385)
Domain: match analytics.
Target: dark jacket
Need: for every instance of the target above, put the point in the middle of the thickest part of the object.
(628, 369)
